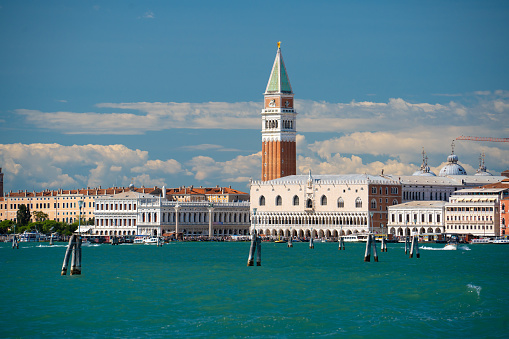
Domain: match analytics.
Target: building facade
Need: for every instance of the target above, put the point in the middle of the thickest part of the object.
(279, 151)
(417, 217)
(474, 212)
(323, 205)
(134, 213)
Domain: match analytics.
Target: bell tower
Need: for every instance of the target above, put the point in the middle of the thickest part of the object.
(278, 124)
(1, 183)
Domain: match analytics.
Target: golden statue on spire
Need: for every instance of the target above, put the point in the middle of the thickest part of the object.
(279, 44)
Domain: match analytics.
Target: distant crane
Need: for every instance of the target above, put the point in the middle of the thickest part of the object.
(483, 139)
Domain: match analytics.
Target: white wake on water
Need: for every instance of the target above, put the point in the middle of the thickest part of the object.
(463, 247)
(475, 288)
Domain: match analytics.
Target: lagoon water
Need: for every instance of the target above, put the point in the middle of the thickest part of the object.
(205, 289)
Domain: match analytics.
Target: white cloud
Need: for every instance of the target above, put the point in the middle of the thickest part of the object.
(207, 169)
(52, 166)
(149, 15)
(314, 116)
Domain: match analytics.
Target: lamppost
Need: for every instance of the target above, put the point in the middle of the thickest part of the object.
(80, 204)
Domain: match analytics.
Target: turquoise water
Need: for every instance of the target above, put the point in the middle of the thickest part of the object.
(206, 290)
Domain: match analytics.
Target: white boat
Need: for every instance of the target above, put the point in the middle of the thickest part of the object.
(355, 238)
(151, 241)
(500, 241)
(138, 241)
(481, 241)
(452, 244)
(30, 237)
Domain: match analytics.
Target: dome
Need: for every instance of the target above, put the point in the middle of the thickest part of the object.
(482, 171)
(425, 170)
(452, 169)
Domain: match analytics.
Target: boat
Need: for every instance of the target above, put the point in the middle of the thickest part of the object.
(138, 241)
(279, 241)
(30, 237)
(151, 241)
(481, 241)
(355, 238)
(452, 244)
(500, 241)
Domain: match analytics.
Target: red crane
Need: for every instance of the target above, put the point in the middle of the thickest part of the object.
(483, 139)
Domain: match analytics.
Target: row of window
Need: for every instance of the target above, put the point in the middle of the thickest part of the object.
(468, 227)
(469, 217)
(48, 205)
(394, 190)
(118, 207)
(414, 196)
(430, 218)
(470, 209)
(309, 202)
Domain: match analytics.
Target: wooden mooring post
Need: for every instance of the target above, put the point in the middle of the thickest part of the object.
(370, 245)
(74, 251)
(383, 246)
(258, 251)
(341, 242)
(252, 249)
(15, 243)
(406, 244)
(415, 247)
(290, 243)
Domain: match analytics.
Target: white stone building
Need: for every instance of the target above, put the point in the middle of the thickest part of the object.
(134, 213)
(417, 217)
(474, 212)
(160, 216)
(322, 205)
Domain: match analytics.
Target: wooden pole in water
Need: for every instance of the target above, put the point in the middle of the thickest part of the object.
(412, 247)
(77, 270)
(367, 254)
(252, 249)
(406, 244)
(15, 243)
(74, 258)
(290, 243)
(67, 255)
(383, 246)
(258, 251)
(417, 255)
(311, 244)
(373, 242)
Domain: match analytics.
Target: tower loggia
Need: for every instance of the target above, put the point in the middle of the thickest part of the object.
(278, 124)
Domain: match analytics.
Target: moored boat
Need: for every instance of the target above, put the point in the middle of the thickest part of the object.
(481, 241)
(501, 241)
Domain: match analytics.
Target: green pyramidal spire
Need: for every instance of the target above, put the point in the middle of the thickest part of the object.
(278, 81)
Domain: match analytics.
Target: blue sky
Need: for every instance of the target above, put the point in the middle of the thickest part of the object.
(170, 92)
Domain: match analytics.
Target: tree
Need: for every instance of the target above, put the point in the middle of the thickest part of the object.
(23, 215)
(39, 215)
(6, 226)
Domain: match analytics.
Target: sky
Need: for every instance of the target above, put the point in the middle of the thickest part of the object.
(105, 93)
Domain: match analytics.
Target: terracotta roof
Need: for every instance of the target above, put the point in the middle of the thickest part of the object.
(114, 190)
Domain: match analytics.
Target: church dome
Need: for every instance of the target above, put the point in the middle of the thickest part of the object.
(482, 168)
(452, 167)
(425, 170)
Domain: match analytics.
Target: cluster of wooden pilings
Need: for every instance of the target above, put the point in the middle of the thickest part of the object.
(74, 250)
(256, 247)
(15, 243)
(413, 247)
